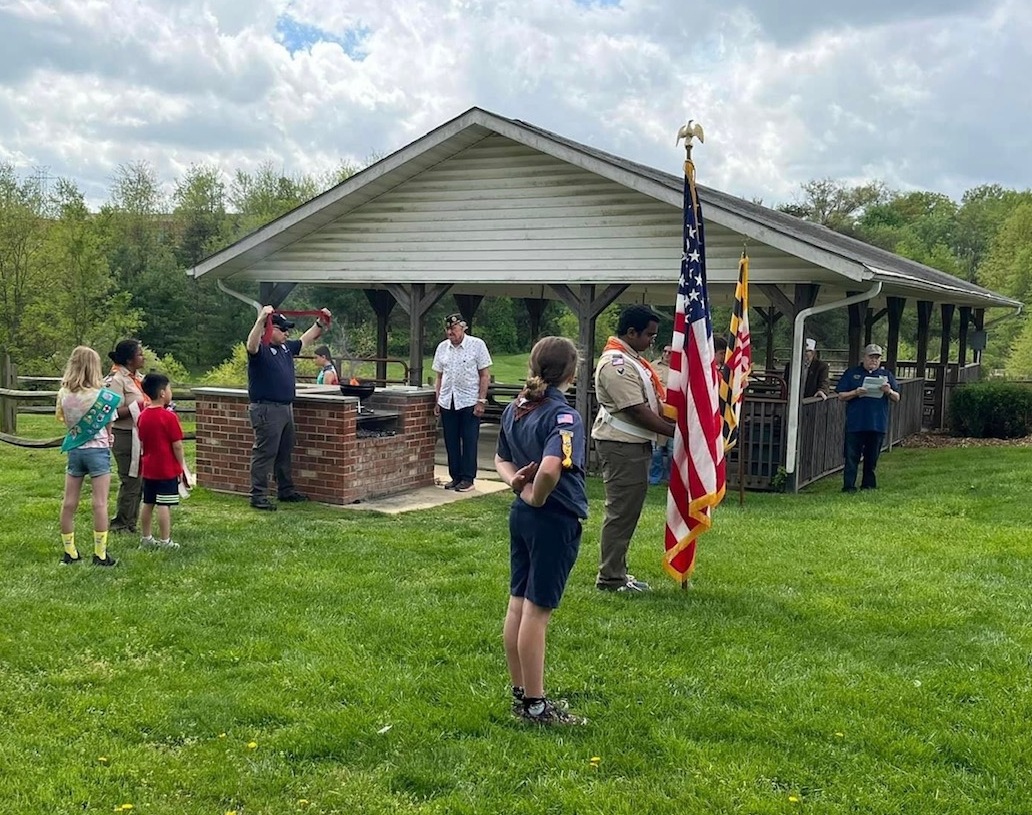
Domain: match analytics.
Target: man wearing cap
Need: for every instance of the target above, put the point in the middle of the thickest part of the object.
(816, 379)
(866, 389)
(628, 423)
(462, 364)
(271, 388)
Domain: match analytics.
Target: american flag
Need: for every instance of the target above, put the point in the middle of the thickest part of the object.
(734, 373)
(697, 471)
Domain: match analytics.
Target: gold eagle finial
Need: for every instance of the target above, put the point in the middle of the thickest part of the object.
(692, 130)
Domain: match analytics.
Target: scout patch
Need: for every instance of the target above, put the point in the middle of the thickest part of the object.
(618, 362)
(564, 418)
(567, 437)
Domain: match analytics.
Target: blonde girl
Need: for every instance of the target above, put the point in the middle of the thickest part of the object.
(87, 409)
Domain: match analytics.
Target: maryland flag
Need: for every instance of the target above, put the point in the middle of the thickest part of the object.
(734, 373)
(697, 478)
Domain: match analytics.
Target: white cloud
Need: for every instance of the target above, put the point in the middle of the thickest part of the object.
(919, 93)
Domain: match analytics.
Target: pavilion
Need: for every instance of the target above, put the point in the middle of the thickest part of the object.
(484, 205)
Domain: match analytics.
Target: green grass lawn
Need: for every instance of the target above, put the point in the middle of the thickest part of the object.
(838, 654)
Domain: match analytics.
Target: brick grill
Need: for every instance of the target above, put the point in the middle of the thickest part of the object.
(331, 465)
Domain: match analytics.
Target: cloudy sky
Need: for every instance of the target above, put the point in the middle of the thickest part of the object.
(927, 94)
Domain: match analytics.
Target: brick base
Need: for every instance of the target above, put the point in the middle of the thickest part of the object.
(331, 464)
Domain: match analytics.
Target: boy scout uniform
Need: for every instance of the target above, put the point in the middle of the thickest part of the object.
(625, 452)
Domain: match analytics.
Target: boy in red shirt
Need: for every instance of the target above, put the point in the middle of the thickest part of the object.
(162, 464)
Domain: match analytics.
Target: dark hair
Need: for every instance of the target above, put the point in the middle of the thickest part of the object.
(719, 343)
(636, 317)
(553, 361)
(124, 351)
(154, 384)
(323, 351)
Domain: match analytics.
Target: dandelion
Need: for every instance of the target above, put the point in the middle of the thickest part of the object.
(595, 761)
(839, 734)
(302, 802)
(251, 745)
(222, 735)
(793, 799)
(103, 760)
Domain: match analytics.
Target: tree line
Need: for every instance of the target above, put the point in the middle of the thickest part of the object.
(74, 275)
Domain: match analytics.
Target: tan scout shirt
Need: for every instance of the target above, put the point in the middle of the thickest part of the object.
(123, 383)
(617, 387)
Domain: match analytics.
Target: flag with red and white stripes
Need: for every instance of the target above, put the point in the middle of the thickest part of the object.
(697, 471)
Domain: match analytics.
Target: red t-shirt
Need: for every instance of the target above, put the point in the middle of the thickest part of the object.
(158, 428)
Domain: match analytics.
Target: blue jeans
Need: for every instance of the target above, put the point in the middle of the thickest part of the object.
(867, 443)
(659, 468)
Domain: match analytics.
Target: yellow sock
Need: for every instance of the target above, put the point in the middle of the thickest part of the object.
(100, 544)
(69, 544)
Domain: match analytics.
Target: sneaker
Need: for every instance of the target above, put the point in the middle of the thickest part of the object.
(263, 503)
(169, 544)
(120, 528)
(293, 498)
(149, 542)
(517, 701)
(630, 587)
(464, 486)
(452, 484)
(107, 560)
(552, 714)
(67, 559)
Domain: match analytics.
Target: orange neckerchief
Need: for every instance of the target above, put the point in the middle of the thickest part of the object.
(613, 344)
(134, 378)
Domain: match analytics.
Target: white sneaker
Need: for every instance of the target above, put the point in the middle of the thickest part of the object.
(169, 544)
(148, 543)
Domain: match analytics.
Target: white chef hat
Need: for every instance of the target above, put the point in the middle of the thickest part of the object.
(811, 344)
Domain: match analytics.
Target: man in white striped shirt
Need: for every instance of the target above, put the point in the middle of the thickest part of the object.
(462, 364)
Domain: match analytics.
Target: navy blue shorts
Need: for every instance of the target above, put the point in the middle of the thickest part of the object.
(164, 492)
(543, 546)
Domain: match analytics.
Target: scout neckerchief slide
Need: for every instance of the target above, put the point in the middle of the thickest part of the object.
(101, 412)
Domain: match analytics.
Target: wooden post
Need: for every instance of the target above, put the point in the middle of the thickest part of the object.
(273, 294)
(468, 304)
(417, 299)
(895, 307)
(856, 312)
(962, 335)
(587, 306)
(8, 405)
(979, 322)
(924, 318)
(535, 309)
(383, 304)
(941, 389)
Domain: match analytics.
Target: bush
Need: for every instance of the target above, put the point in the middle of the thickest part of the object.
(998, 410)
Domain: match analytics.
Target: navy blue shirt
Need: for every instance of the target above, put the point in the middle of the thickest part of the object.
(270, 372)
(866, 412)
(551, 429)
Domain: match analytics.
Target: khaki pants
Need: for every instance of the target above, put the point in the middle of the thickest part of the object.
(129, 489)
(625, 476)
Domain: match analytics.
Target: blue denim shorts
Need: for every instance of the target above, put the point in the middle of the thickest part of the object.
(91, 461)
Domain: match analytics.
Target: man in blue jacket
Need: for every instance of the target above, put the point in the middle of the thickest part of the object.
(866, 389)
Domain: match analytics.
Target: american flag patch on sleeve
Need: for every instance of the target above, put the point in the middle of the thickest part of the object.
(564, 418)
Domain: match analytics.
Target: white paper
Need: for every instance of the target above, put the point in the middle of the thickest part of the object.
(873, 385)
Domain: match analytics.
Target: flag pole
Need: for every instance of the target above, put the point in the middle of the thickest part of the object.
(689, 132)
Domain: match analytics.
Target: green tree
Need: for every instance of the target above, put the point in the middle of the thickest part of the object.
(23, 238)
(1008, 266)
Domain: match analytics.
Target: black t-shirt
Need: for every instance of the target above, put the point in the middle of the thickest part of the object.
(270, 372)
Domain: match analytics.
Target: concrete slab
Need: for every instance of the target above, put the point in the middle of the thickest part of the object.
(435, 496)
(426, 497)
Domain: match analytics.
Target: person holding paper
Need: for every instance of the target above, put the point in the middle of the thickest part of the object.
(866, 389)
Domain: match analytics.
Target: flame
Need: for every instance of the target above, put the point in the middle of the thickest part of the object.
(354, 381)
